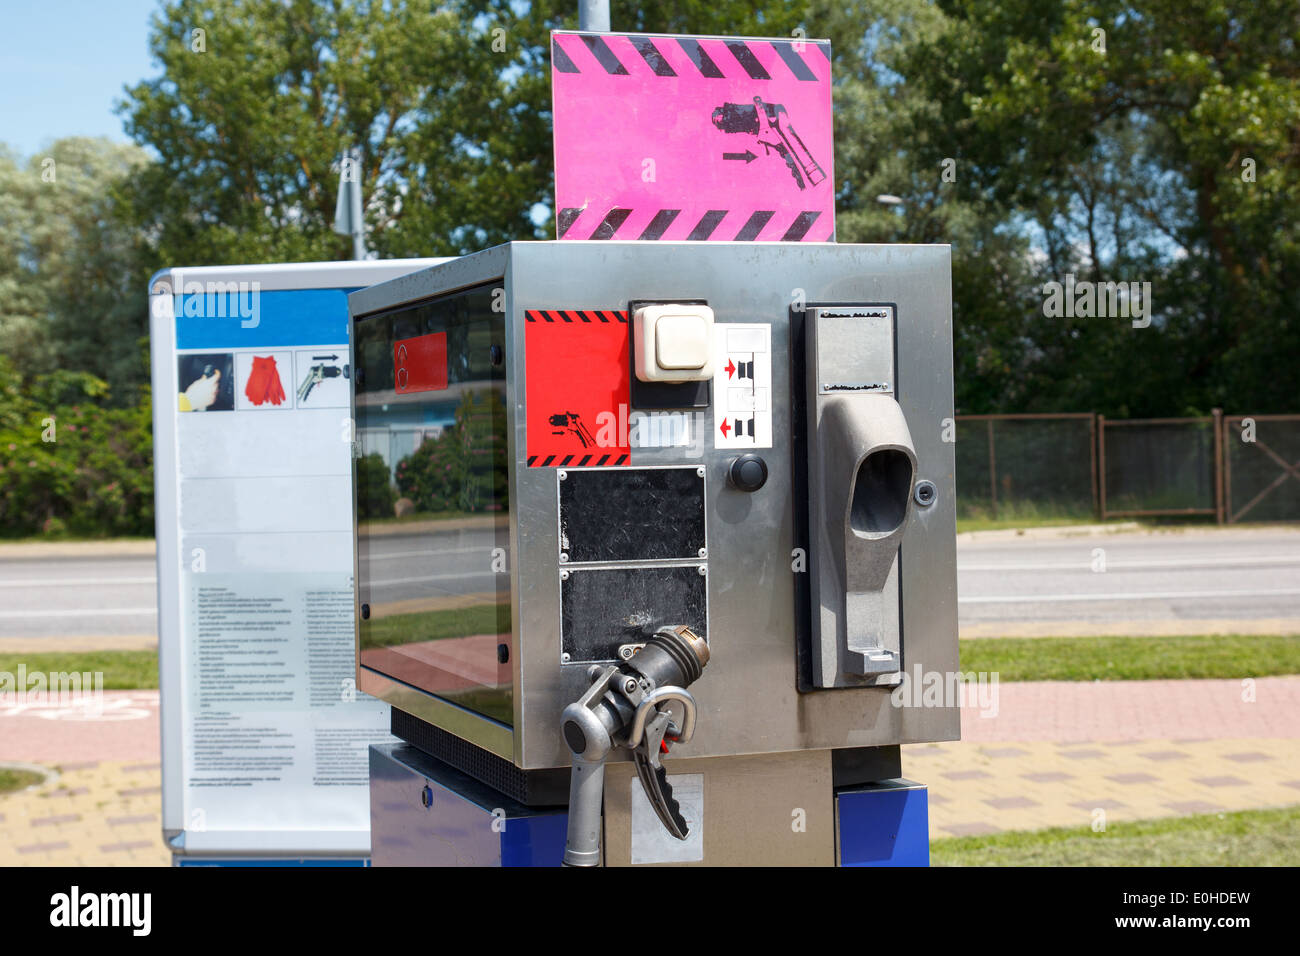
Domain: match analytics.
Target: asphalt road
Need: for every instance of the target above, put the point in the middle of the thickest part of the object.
(1192, 582)
(1163, 583)
(90, 594)
(409, 567)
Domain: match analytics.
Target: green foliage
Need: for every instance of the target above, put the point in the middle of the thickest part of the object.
(376, 488)
(70, 466)
(250, 130)
(458, 470)
(1124, 135)
(73, 265)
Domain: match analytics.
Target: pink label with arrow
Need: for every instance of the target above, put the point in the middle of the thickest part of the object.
(699, 138)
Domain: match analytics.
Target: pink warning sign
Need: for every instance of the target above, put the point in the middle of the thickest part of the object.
(700, 138)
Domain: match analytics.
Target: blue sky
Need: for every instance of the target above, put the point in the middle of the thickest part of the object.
(63, 64)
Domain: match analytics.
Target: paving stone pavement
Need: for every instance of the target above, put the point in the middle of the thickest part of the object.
(94, 814)
(1055, 754)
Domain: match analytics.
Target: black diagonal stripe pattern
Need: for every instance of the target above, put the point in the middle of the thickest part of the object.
(604, 55)
(745, 57)
(609, 225)
(567, 217)
(799, 228)
(793, 60)
(650, 53)
(704, 228)
(702, 60)
(754, 225)
(826, 50)
(560, 60)
(660, 223)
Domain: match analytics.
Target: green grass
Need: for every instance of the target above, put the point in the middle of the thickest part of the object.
(11, 779)
(1132, 658)
(1247, 838)
(976, 514)
(436, 625)
(122, 670)
(1230, 656)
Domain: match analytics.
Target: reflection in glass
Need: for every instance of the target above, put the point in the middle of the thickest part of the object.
(433, 503)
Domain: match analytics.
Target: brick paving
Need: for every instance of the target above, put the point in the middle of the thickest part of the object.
(103, 807)
(1060, 754)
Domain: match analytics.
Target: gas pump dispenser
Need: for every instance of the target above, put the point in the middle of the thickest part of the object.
(651, 539)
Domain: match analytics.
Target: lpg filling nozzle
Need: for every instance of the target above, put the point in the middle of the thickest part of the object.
(627, 705)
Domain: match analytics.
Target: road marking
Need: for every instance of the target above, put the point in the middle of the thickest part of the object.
(1209, 561)
(87, 612)
(1132, 596)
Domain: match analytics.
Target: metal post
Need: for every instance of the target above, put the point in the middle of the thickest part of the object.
(358, 222)
(1101, 462)
(993, 471)
(1092, 464)
(593, 15)
(1217, 414)
(1227, 474)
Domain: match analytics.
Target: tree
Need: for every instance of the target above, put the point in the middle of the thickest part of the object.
(73, 265)
(1153, 140)
(258, 100)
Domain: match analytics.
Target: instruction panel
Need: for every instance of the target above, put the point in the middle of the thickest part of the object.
(742, 386)
(273, 735)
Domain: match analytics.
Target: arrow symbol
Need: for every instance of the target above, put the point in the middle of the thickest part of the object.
(725, 429)
(746, 156)
(731, 368)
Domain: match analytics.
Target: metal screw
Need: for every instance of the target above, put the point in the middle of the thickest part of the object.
(629, 686)
(564, 556)
(700, 471)
(925, 493)
(565, 657)
(625, 652)
(564, 575)
(703, 570)
(704, 552)
(562, 474)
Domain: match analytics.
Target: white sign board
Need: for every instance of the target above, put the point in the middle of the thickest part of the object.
(265, 738)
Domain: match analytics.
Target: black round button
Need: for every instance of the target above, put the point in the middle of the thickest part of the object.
(748, 473)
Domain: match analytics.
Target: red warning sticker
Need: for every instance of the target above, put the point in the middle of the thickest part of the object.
(578, 387)
(420, 364)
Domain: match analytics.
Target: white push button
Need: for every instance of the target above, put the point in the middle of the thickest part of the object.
(674, 343)
(682, 342)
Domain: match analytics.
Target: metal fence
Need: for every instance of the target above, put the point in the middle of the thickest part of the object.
(1026, 466)
(1160, 466)
(1033, 467)
(1261, 475)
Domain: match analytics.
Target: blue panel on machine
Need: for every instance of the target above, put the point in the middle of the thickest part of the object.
(884, 824)
(425, 813)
